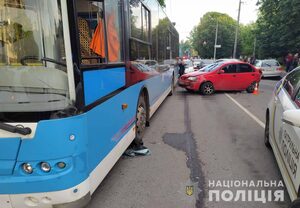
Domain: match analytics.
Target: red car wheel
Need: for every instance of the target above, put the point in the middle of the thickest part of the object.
(207, 88)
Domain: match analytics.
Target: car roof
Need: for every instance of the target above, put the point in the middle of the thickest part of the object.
(207, 60)
(223, 60)
(144, 60)
(233, 62)
(268, 60)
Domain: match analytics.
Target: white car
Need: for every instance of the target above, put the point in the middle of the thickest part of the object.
(151, 63)
(197, 63)
(188, 65)
(269, 68)
(282, 131)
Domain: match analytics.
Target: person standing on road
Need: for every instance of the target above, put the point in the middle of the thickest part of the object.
(288, 62)
(295, 62)
(252, 60)
(181, 67)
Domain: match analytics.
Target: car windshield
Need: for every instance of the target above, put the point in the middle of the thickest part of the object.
(257, 63)
(33, 75)
(270, 63)
(210, 67)
(207, 61)
(188, 64)
(170, 61)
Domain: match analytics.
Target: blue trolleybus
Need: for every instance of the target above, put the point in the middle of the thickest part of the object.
(79, 82)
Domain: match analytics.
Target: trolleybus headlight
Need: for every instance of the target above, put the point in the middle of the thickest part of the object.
(45, 167)
(61, 165)
(27, 168)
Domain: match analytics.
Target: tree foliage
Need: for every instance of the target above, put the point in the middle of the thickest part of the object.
(203, 35)
(162, 3)
(185, 46)
(278, 28)
(247, 39)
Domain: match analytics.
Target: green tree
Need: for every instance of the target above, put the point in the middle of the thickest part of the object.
(247, 38)
(162, 3)
(185, 46)
(203, 35)
(278, 28)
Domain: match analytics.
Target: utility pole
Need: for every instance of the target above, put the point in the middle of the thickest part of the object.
(216, 40)
(254, 47)
(237, 31)
(170, 44)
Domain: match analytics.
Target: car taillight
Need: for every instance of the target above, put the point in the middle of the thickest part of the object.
(279, 69)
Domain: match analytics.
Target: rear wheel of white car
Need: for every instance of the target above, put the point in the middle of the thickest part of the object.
(267, 131)
(207, 88)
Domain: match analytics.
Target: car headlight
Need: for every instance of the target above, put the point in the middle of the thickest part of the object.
(192, 78)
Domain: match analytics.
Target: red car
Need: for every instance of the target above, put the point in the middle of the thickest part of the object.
(230, 75)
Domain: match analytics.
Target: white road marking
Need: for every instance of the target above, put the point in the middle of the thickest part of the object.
(246, 111)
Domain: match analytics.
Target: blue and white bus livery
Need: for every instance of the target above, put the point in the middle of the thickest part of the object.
(72, 96)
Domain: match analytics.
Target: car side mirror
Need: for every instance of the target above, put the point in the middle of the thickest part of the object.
(291, 117)
(221, 71)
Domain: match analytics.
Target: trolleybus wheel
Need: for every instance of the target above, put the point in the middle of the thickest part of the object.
(141, 120)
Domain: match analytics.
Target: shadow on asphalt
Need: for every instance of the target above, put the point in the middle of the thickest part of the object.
(197, 93)
(272, 78)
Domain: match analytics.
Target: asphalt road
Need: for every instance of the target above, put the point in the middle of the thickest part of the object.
(195, 139)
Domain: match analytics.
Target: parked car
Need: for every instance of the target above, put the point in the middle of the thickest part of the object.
(151, 63)
(222, 60)
(230, 75)
(171, 62)
(269, 68)
(138, 72)
(206, 62)
(282, 132)
(197, 63)
(188, 65)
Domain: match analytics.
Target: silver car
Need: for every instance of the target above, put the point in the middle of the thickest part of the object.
(151, 63)
(282, 132)
(269, 68)
(189, 67)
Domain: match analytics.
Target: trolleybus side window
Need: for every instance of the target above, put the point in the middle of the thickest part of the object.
(99, 27)
(140, 31)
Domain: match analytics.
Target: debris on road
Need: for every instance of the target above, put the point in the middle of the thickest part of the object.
(141, 151)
